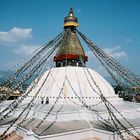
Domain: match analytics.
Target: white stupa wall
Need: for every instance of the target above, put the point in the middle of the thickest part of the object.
(79, 86)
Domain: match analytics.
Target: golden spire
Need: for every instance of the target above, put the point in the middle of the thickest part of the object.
(70, 20)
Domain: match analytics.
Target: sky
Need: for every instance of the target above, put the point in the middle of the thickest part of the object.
(113, 25)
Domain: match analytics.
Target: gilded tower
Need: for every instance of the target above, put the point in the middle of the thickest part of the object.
(71, 52)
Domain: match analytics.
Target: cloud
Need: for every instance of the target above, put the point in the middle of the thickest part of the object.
(20, 54)
(25, 50)
(11, 64)
(89, 54)
(94, 63)
(115, 52)
(15, 34)
(102, 71)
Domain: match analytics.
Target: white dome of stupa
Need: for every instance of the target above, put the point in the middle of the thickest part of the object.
(72, 85)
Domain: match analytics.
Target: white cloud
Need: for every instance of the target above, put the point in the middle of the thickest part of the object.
(94, 63)
(115, 52)
(25, 50)
(89, 54)
(11, 65)
(22, 52)
(101, 69)
(15, 34)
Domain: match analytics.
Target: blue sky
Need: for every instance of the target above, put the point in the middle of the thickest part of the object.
(113, 25)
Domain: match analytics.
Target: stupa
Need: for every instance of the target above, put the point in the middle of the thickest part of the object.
(70, 101)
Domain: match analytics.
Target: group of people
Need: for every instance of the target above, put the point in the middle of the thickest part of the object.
(44, 101)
